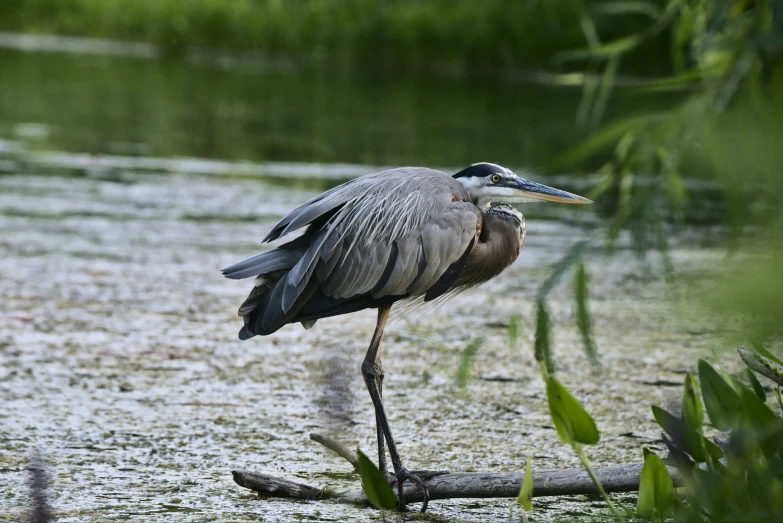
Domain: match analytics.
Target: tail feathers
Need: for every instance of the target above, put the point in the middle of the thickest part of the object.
(263, 263)
(263, 285)
(245, 333)
(284, 257)
(266, 314)
(254, 305)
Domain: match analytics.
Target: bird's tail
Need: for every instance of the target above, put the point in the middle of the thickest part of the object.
(256, 302)
(263, 311)
(268, 267)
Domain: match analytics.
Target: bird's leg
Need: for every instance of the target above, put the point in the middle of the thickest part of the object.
(371, 369)
(381, 447)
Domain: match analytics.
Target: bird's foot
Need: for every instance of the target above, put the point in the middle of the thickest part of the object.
(404, 474)
(422, 474)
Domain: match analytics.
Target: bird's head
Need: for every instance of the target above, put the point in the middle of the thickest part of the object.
(487, 183)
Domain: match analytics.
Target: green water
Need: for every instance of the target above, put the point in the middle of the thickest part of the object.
(267, 112)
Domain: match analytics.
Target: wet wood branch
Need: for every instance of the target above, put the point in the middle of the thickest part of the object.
(618, 478)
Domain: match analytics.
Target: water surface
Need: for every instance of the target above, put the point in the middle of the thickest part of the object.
(128, 183)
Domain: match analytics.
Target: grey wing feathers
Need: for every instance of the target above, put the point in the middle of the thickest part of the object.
(411, 209)
(387, 235)
(311, 210)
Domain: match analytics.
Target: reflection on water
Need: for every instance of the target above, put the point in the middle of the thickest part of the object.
(132, 106)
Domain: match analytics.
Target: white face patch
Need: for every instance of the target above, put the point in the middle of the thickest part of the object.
(491, 193)
(473, 185)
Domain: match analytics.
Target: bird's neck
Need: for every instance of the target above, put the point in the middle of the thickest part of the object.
(506, 217)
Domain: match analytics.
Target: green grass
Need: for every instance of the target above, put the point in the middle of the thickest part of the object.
(419, 34)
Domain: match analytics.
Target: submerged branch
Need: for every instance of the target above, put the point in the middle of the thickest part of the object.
(617, 478)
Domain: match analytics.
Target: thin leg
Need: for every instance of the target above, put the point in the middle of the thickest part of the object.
(371, 370)
(381, 447)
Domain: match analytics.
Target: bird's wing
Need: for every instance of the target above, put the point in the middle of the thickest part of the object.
(396, 233)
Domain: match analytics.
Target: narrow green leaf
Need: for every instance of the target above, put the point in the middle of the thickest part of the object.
(626, 190)
(466, 361)
(624, 8)
(669, 423)
(692, 420)
(755, 385)
(678, 82)
(573, 423)
(603, 140)
(624, 145)
(754, 410)
(645, 503)
(375, 485)
(543, 348)
(682, 35)
(714, 451)
(624, 44)
(721, 401)
(586, 101)
(605, 183)
(525, 497)
(761, 349)
(685, 438)
(571, 257)
(692, 411)
(656, 489)
(513, 332)
(779, 397)
(604, 90)
(583, 317)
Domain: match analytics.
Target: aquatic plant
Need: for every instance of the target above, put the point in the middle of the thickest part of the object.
(738, 480)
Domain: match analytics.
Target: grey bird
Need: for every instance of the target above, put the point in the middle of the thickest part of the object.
(409, 234)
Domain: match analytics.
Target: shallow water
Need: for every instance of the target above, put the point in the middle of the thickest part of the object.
(126, 184)
(120, 361)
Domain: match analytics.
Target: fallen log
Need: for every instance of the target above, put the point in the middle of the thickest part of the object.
(617, 478)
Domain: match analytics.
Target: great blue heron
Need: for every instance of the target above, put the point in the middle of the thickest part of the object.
(402, 234)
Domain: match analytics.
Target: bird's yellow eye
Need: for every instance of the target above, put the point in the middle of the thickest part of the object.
(495, 178)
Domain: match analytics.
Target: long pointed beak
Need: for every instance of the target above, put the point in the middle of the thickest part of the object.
(537, 191)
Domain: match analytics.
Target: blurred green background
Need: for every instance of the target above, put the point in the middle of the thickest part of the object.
(663, 111)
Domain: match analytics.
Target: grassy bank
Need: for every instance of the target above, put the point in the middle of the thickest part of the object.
(417, 34)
